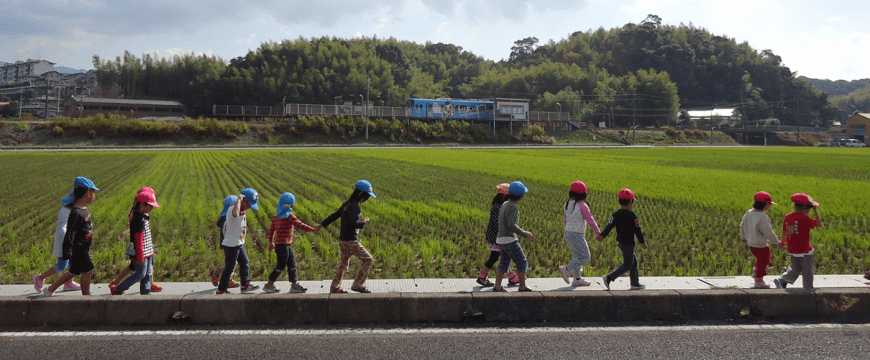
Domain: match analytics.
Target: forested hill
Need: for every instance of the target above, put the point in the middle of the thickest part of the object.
(648, 68)
(837, 88)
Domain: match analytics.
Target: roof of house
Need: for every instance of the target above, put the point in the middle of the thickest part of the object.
(90, 100)
(726, 112)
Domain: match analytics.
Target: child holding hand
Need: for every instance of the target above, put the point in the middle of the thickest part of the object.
(577, 215)
(281, 232)
(796, 235)
(756, 231)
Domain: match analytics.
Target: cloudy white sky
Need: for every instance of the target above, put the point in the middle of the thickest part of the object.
(816, 39)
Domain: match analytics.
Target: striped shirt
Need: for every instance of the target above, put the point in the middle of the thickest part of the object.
(140, 235)
(282, 229)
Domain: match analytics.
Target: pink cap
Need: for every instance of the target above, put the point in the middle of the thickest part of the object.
(763, 196)
(627, 194)
(578, 187)
(145, 190)
(503, 188)
(803, 199)
(147, 198)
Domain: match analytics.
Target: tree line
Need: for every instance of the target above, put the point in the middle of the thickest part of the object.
(641, 73)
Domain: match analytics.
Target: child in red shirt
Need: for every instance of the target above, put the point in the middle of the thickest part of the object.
(796, 233)
(284, 225)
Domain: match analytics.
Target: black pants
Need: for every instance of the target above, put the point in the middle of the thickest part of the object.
(493, 257)
(285, 259)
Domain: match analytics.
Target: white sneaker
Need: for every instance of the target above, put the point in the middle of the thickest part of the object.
(564, 273)
(47, 293)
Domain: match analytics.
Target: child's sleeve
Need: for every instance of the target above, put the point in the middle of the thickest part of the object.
(637, 231)
(332, 217)
(295, 222)
(589, 220)
(272, 230)
(609, 227)
(72, 227)
(137, 229)
(513, 217)
(766, 229)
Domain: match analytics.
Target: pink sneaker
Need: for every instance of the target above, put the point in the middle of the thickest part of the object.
(580, 282)
(38, 283)
(72, 286)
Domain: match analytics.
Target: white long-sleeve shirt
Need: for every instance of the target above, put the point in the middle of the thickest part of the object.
(756, 229)
(60, 231)
(577, 215)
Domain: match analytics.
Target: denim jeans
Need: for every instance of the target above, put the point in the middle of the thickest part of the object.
(629, 263)
(286, 259)
(233, 255)
(142, 274)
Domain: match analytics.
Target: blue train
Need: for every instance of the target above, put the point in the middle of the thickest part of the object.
(445, 108)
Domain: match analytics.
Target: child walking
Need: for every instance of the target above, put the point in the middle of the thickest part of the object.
(281, 232)
(501, 192)
(142, 244)
(76, 245)
(125, 272)
(235, 230)
(796, 234)
(222, 218)
(756, 231)
(61, 264)
(348, 240)
(508, 243)
(577, 215)
(627, 227)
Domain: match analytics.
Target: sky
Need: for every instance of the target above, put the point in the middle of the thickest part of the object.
(825, 40)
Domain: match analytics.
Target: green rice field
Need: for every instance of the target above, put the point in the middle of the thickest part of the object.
(433, 204)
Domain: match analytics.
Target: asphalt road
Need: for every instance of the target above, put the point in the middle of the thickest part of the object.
(486, 341)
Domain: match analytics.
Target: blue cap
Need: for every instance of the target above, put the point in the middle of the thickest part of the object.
(285, 205)
(517, 188)
(80, 181)
(252, 197)
(229, 201)
(366, 186)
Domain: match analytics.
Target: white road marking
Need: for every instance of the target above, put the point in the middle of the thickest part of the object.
(487, 330)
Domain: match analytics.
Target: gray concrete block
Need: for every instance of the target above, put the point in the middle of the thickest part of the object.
(290, 309)
(67, 310)
(844, 304)
(135, 310)
(365, 308)
(13, 310)
(641, 305)
(219, 309)
(435, 307)
(588, 306)
(514, 306)
(783, 304)
(725, 304)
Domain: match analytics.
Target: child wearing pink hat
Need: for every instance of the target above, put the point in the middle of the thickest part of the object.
(501, 193)
(756, 231)
(577, 216)
(796, 234)
(141, 246)
(627, 227)
(125, 272)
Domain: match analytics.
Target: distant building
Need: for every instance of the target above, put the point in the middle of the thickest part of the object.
(86, 106)
(723, 116)
(13, 72)
(856, 126)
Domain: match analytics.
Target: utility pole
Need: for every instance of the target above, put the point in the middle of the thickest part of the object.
(798, 121)
(368, 88)
(20, 102)
(633, 117)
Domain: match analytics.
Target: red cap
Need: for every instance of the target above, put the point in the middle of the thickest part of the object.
(147, 198)
(578, 187)
(145, 190)
(627, 194)
(502, 188)
(803, 199)
(763, 196)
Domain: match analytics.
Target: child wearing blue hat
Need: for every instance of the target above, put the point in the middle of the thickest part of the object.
(235, 230)
(351, 223)
(222, 218)
(77, 239)
(281, 232)
(508, 243)
(59, 232)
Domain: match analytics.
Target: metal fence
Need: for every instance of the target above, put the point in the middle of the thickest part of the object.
(782, 128)
(242, 110)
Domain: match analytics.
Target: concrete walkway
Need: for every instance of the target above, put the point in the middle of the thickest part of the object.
(468, 285)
